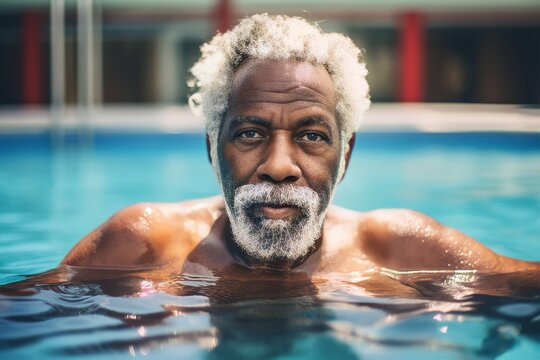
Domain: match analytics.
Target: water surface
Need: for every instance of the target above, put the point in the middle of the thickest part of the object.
(487, 185)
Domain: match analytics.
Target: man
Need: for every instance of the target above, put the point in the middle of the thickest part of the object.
(281, 100)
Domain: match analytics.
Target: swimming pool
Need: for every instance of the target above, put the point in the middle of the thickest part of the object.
(485, 184)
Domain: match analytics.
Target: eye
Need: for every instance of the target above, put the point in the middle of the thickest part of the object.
(312, 137)
(249, 134)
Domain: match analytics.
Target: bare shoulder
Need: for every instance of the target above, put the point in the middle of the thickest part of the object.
(404, 239)
(338, 214)
(399, 222)
(147, 234)
(341, 223)
(393, 220)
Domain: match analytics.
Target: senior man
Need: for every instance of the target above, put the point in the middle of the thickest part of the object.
(281, 100)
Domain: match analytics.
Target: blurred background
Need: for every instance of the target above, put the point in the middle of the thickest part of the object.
(111, 54)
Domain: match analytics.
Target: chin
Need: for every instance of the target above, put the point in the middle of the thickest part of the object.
(269, 239)
(274, 240)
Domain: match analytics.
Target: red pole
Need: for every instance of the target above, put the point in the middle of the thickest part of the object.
(31, 58)
(223, 15)
(412, 61)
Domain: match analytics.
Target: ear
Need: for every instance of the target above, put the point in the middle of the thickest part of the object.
(208, 152)
(348, 150)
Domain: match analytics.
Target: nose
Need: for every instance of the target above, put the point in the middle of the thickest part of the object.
(279, 164)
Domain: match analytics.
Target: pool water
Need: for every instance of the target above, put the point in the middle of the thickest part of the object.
(486, 185)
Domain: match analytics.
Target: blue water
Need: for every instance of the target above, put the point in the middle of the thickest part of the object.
(486, 185)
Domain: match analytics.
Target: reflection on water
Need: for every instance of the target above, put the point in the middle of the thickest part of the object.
(98, 313)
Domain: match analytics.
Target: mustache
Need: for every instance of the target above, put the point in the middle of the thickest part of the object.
(280, 195)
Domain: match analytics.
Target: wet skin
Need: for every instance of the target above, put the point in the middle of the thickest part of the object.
(281, 127)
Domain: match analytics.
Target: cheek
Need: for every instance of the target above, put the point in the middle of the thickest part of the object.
(321, 172)
(236, 167)
(318, 172)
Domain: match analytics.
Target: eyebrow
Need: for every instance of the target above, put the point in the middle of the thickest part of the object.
(315, 120)
(243, 119)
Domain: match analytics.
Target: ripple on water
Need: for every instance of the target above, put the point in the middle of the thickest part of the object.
(161, 317)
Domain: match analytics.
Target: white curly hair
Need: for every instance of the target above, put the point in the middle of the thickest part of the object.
(266, 37)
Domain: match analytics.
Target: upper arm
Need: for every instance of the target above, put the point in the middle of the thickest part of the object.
(129, 238)
(408, 240)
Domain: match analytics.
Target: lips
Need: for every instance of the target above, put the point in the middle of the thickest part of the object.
(275, 211)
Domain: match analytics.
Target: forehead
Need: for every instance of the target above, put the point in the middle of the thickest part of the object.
(296, 85)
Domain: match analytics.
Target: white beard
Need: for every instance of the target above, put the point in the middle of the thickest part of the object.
(272, 239)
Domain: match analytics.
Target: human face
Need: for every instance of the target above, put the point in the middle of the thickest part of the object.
(280, 132)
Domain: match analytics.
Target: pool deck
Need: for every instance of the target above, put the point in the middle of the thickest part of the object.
(382, 117)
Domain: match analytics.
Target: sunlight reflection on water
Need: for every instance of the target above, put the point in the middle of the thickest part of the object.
(134, 315)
